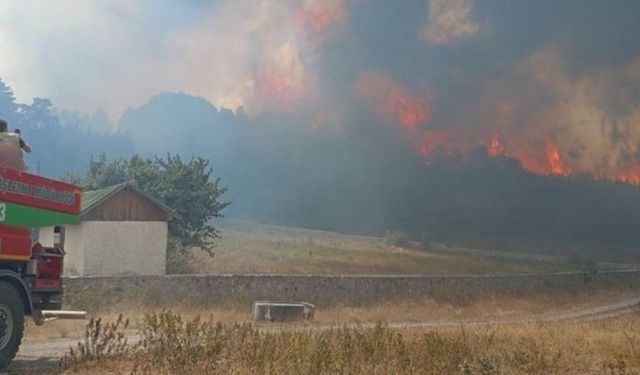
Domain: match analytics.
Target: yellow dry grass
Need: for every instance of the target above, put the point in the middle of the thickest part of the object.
(439, 308)
(281, 250)
(598, 347)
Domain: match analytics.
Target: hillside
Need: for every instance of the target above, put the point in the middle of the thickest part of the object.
(252, 248)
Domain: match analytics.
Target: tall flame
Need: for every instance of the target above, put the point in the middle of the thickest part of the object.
(495, 147)
(282, 85)
(549, 163)
(556, 165)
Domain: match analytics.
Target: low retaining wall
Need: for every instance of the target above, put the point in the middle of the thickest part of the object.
(323, 291)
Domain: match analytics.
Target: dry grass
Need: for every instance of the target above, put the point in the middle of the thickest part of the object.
(491, 306)
(280, 250)
(171, 345)
(438, 308)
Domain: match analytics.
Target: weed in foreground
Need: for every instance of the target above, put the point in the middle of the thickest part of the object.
(101, 341)
(168, 344)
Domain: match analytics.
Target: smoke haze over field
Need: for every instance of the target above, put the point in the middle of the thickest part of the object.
(302, 103)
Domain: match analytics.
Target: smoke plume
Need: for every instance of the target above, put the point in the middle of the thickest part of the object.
(93, 55)
(449, 20)
(555, 86)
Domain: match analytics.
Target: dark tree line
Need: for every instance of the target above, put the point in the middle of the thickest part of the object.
(360, 179)
(364, 179)
(57, 147)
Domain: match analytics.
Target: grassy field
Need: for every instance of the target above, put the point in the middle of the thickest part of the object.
(253, 248)
(170, 344)
(177, 340)
(432, 308)
(223, 341)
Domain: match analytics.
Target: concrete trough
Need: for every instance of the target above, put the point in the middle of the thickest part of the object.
(282, 311)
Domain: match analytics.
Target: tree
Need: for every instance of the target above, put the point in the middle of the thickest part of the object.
(8, 106)
(186, 187)
(39, 115)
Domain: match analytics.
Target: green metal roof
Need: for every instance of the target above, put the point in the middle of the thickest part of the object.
(92, 198)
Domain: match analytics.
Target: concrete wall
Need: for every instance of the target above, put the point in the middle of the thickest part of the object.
(115, 248)
(212, 290)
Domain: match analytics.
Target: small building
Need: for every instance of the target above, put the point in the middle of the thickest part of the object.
(122, 231)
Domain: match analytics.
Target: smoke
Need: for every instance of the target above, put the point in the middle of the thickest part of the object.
(392, 102)
(313, 17)
(95, 55)
(449, 20)
(556, 87)
(84, 55)
(556, 121)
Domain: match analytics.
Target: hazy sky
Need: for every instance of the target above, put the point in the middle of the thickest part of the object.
(90, 55)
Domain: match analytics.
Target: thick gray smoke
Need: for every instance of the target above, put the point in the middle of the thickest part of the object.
(308, 104)
(95, 55)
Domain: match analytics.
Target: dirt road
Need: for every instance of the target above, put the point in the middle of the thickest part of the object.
(37, 356)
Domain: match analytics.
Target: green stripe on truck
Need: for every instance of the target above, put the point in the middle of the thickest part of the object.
(23, 216)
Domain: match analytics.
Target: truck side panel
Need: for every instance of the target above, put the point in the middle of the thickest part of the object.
(39, 192)
(15, 243)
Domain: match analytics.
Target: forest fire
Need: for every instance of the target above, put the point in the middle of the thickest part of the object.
(282, 85)
(430, 142)
(316, 16)
(555, 162)
(495, 147)
(278, 92)
(393, 104)
(630, 175)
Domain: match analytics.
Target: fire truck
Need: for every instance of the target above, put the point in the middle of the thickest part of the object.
(31, 274)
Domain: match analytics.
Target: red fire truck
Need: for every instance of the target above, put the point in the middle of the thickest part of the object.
(31, 274)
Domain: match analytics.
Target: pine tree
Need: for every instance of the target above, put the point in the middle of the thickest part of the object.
(8, 106)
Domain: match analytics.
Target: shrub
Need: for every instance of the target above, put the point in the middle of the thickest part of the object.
(178, 258)
(587, 265)
(101, 341)
(397, 238)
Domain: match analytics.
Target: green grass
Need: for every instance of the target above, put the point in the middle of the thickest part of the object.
(253, 248)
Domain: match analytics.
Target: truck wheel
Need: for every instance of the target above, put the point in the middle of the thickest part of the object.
(11, 323)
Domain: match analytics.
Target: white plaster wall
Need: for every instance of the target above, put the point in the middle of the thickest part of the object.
(122, 247)
(45, 236)
(74, 248)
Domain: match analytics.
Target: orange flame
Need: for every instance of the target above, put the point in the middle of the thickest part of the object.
(556, 165)
(396, 106)
(393, 103)
(277, 91)
(549, 162)
(629, 175)
(430, 142)
(316, 16)
(495, 147)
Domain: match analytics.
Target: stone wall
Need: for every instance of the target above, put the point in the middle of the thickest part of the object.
(324, 291)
